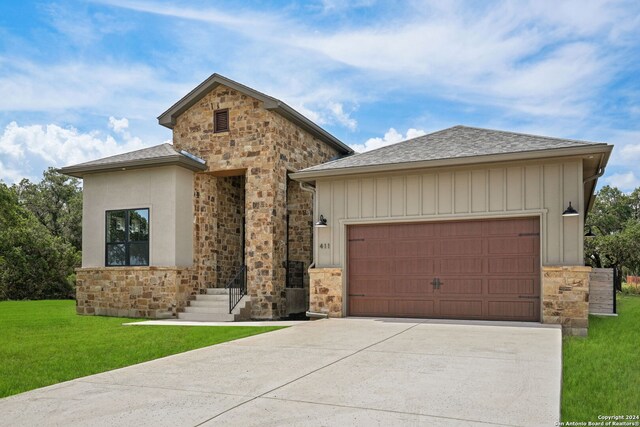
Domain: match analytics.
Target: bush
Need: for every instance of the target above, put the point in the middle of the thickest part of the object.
(630, 289)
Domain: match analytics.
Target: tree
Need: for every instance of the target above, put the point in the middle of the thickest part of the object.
(56, 202)
(615, 220)
(34, 264)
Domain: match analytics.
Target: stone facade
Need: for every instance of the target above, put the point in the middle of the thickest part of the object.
(326, 291)
(155, 292)
(229, 216)
(300, 210)
(263, 147)
(565, 297)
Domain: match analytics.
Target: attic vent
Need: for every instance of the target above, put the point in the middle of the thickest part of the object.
(221, 120)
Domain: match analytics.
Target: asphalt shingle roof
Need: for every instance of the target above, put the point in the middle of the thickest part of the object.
(155, 152)
(451, 143)
(159, 155)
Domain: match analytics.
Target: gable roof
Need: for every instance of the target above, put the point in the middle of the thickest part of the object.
(158, 155)
(168, 118)
(455, 145)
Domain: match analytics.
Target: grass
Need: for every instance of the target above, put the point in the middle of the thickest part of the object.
(45, 342)
(601, 374)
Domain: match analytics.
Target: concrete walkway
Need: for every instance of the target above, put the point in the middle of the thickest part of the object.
(328, 372)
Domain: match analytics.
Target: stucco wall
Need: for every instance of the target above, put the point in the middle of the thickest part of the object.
(516, 189)
(166, 191)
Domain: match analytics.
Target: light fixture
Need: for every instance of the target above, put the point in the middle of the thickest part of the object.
(570, 211)
(322, 222)
(589, 233)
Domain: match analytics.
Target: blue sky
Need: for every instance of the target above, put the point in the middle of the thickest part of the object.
(82, 80)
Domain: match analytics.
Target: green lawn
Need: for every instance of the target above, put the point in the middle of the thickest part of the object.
(601, 374)
(45, 342)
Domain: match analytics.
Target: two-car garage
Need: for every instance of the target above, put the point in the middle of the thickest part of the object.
(462, 223)
(477, 269)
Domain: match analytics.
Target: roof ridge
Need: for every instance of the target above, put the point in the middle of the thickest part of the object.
(552, 138)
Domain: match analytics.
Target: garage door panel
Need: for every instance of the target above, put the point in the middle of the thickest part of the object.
(361, 306)
(369, 249)
(374, 266)
(517, 310)
(460, 265)
(461, 247)
(418, 308)
(465, 286)
(512, 245)
(513, 227)
(369, 231)
(419, 286)
(511, 286)
(370, 286)
(411, 231)
(460, 308)
(489, 269)
(403, 266)
(460, 229)
(523, 265)
(412, 248)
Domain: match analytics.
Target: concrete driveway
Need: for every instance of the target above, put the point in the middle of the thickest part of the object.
(328, 372)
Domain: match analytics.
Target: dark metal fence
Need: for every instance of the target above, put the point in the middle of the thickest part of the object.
(237, 287)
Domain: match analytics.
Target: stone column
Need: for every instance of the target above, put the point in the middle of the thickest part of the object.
(204, 231)
(565, 297)
(262, 221)
(326, 291)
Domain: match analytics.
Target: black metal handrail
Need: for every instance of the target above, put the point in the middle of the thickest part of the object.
(237, 287)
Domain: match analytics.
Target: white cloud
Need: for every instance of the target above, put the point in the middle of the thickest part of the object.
(343, 117)
(534, 57)
(118, 125)
(25, 151)
(392, 136)
(129, 88)
(624, 181)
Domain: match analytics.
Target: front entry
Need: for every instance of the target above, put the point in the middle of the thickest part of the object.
(477, 269)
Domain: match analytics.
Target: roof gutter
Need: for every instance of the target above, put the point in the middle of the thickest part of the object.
(312, 175)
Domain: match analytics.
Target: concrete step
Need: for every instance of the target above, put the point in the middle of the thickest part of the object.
(207, 317)
(211, 304)
(203, 297)
(217, 291)
(221, 310)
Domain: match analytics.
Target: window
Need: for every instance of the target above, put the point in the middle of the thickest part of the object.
(221, 121)
(127, 238)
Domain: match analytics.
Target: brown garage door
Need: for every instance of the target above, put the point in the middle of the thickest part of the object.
(486, 269)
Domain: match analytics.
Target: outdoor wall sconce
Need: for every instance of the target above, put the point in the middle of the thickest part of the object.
(589, 233)
(570, 211)
(322, 222)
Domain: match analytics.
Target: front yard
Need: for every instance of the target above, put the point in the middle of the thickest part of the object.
(601, 374)
(45, 342)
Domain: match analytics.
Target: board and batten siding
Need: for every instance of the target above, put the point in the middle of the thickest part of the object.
(494, 191)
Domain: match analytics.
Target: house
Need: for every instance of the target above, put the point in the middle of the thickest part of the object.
(461, 223)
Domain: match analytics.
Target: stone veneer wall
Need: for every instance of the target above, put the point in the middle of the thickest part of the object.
(229, 217)
(300, 208)
(326, 291)
(565, 297)
(155, 292)
(263, 146)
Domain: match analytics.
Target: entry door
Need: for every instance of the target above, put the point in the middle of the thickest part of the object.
(480, 269)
